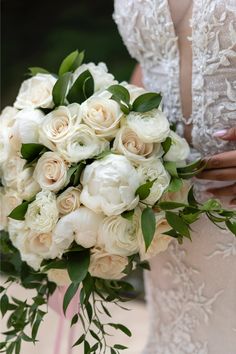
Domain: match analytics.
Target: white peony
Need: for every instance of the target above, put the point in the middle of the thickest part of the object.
(179, 150)
(130, 145)
(102, 79)
(36, 92)
(151, 127)
(160, 241)
(69, 200)
(119, 236)
(9, 200)
(106, 266)
(109, 185)
(59, 125)
(81, 225)
(12, 169)
(7, 117)
(59, 276)
(42, 214)
(51, 171)
(150, 171)
(5, 144)
(27, 124)
(82, 144)
(102, 115)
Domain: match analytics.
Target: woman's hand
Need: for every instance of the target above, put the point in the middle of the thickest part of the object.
(222, 167)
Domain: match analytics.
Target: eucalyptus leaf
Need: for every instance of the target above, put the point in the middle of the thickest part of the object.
(61, 88)
(70, 293)
(146, 102)
(148, 224)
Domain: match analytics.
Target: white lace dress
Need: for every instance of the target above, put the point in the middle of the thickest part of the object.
(191, 289)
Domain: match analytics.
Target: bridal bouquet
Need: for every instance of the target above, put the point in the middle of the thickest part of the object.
(93, 186)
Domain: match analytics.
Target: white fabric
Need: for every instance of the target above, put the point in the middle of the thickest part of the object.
(191, 289)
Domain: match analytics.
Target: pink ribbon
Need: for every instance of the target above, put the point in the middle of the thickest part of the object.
(56, 303)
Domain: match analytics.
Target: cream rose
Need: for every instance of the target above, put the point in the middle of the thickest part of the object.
(51, 172)
(109, 185)
(42, 214)
(27, 125)
(69, 200)
(106, 266)
(179, 150)
(150, 171)
(59, 125)
(81, 225)
(36, 92)
(59, 276)
(130, 145)
(9, 200)
(160, 241)
(82, 144)
(102, 115)
(119, 236)
(102, 79)
(151, 127)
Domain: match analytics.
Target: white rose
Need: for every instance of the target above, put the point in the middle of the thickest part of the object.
(69, 200)
(151, 127)
(42, 214)
(109, 185)
(119, 236)
(59, 276)
(36, 92)
(106, 266)
(102, 115)
(27, 124)
(179, 149)
(81, 225)
(160, 241)
(130, 145)
(9, 200)
(51, 172)
(102, 79)
(82, 144)
(150, 171)
(59, 125)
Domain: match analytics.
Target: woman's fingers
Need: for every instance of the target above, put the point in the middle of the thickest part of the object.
(225, 159)
(221, 174)
(224, 191)
(226, 134)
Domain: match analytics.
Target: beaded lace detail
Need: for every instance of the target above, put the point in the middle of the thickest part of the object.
(191, 292)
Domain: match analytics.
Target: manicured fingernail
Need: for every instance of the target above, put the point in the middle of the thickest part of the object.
(219, 133)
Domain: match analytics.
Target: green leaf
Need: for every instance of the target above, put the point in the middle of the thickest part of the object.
(119, 346)
(4, 303)
(18, 346)
(211, 205)
(103, 154)
(79, 341)
(74, 173)
(191, 198)
(82, 88)
(58, 264)
(74, 320)
(112, 351)
(19, 212)
(175, 221)
(190, 218)
(143, 191)
(120, 327)
(144, 265)
(147, 102)
(148, 224)
(128, 214)
(37, 70)
(60, 89)
(170, 205)
(231, 226)
(192, 166)
(86, 347)
(175, 185)
(30, 152)
(89, 311)
(94, 335)
(77, 266)
(166, 145)
(70, 293)
(78, 61)
(120, 93)
(68, 63)
(171, 167)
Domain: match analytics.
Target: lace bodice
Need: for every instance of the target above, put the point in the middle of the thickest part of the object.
(191, 289)
(148, 32)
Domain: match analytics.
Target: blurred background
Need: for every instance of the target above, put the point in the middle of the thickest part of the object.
(43, 33)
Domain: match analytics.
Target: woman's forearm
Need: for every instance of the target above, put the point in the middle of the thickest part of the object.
(137, 77)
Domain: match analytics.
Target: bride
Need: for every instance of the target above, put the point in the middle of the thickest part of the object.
(186, 49)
